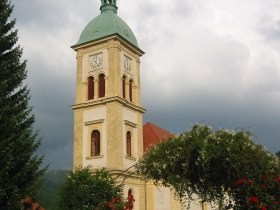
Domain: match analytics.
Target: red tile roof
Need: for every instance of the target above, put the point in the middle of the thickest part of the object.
(153, 134)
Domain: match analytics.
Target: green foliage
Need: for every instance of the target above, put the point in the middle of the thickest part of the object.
(47, 195)
(86, 189)
(19, 171)
(206, 162)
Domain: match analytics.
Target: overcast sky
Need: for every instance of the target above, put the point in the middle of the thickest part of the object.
(215, 62)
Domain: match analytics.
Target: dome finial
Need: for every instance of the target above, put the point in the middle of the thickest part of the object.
(109, 5)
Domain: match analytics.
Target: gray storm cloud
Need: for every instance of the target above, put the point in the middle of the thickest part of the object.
(206, 61)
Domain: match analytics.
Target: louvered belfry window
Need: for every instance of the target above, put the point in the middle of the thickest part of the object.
(90, 88)
(130, 90)
(123, 86)
(101, 78)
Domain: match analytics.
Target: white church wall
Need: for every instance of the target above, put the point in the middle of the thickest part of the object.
(162, 198)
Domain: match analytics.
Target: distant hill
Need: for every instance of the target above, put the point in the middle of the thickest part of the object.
(47, 196)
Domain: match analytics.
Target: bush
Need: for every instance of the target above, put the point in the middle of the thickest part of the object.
(258, 193)
(85, 189)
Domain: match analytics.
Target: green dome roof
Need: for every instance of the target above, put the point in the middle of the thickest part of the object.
(106, 24)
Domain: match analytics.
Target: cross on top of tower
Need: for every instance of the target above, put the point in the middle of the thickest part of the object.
(109, 5)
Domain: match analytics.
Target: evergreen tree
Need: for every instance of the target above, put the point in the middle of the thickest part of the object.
(19, 166)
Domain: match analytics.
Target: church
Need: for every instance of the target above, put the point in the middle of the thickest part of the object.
(108, 113)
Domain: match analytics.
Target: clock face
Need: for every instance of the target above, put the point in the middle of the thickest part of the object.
(127, 64)
(96, 61)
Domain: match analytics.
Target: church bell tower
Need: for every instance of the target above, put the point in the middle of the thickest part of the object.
(108, 127)
(107, 110)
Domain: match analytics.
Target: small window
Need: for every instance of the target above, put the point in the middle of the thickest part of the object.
(129, 193)
(130, 90)
(128, 144)
(101, 78)
(95, 143)
(130, 197)
(123, 86)
(90, 88)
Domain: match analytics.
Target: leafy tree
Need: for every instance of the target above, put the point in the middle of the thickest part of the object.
(86, 189)
(19, 166)
(207, 163)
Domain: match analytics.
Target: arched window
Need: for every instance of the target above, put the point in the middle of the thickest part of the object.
(128, 144)
(95, 143)
(123, 86)
(130, 196)
(90, 88)
(129, 193)
(101, 87)
(130, 90)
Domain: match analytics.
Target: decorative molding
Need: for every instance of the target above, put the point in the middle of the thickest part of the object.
(104, 101)
(130, 123)
(123, 174)
(112, 46)
(130, 158)
(126, 43)
(95, 157)
(94, 122)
